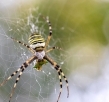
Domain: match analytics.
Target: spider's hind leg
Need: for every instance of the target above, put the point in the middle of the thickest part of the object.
(50, 31)
(27, 46)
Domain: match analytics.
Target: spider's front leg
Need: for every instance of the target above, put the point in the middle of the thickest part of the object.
(21, 70)
(13, 74)
(60, 72)
(24, 66)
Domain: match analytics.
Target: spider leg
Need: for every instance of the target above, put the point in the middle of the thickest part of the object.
(13, 74)
(65, 81)
(27, 46)
(57, 67)
(16, 83)
(60, 79)
(59, 70)
(50, 31)
(53, 48)
(24, 66)
(21, 69)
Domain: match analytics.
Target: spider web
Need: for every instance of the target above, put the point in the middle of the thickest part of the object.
(76, 29)
(33, 85)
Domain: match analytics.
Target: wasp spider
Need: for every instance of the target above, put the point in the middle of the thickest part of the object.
(38, 47)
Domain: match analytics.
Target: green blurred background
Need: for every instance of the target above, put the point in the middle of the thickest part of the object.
(80, 27)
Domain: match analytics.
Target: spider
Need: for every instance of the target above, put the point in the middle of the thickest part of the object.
(38, 47)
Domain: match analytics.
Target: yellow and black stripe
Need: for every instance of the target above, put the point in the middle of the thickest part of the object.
(35, 38)
(27, 46)
(60, 73)
(21, 70)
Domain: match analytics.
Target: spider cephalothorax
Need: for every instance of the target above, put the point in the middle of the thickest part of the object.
(38, 47)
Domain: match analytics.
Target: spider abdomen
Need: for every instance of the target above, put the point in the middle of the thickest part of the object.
(36, 41)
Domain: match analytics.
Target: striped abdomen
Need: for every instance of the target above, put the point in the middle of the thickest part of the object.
(36, 41)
